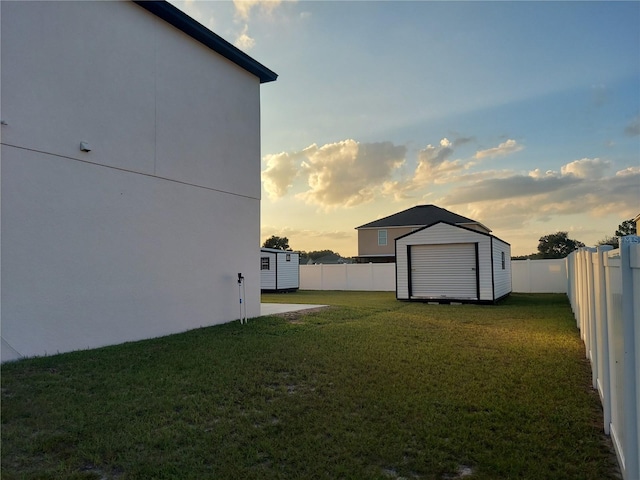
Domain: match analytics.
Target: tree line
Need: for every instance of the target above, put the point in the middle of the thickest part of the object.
(554, 245)
(282, 243)
(559, 245)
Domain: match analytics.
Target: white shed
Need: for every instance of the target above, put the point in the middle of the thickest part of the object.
(279, 270)
(445, 262)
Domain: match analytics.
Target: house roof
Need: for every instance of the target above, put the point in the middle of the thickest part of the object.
(202, 34)
(421, 215)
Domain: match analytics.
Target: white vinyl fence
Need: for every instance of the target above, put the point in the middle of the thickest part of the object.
(539, 276)
(604, 291)
(528, 276)
(373, 277)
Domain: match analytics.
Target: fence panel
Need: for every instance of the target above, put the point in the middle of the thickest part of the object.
(539, 276)
(372, 277)
(603, 287)
(528, 276)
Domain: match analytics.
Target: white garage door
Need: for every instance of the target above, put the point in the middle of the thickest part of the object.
(444, 271)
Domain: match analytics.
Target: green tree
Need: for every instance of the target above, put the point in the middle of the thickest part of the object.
(613, 241)
(628, 227)
(281, 243)
(315, 254)
(557, 245)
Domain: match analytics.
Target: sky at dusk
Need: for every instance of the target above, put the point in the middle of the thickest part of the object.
(524, 116)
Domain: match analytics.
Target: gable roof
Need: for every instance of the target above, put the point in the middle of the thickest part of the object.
(421, 215)
(472, 230)
(202, 34)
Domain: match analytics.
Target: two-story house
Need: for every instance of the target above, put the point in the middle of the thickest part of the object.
(376, 240)
(130, 175)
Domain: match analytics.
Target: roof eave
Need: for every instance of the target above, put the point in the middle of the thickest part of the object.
(202, 34)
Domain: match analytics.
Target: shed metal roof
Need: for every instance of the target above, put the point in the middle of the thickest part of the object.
(275, 250)
(202, 34)
(421, 215)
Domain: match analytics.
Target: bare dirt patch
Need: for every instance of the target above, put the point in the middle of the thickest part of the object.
(298, 315)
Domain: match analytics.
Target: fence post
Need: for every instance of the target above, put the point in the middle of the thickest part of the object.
(371, 276)
(634, 258)
(602, 335)
(582, 298)
(591, 316)
(569, 263)
(631, 449)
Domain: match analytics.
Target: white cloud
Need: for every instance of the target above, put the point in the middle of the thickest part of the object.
(191, 8)
(244, 7)
(628, 171)
(433, 163)
(510, 187)
(244, 41)
(349, 173)
(281, 171)
(581, 187)
(586, 168)
(505, 148)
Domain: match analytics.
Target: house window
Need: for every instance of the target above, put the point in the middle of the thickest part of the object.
(288, 257)
(502, 260)
(382, 237)
(264, 263)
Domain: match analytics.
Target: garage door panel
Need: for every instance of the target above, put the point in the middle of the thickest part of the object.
(444, 271)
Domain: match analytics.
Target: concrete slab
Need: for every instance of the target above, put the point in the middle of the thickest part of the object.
(275, 308)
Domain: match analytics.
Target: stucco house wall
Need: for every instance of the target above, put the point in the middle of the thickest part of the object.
(368, 240)
(144, 234)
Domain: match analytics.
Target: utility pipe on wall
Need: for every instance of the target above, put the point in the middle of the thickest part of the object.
(241, 295)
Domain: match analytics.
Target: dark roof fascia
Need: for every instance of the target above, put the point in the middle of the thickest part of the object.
(202, 34)
(276, 250)
(462, 224)
(377, 227)
(453, 225)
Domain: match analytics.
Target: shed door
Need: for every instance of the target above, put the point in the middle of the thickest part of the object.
(444, 271)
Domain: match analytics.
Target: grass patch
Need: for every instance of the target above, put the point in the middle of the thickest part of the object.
(369, 388)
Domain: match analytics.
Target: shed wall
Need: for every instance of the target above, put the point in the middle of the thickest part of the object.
(501, 277)
(268, 276)
(288, 273)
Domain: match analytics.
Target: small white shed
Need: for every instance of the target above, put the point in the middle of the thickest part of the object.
(445, 262)
(279, 270)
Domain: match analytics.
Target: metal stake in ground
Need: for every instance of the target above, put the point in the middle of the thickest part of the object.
(241, 295)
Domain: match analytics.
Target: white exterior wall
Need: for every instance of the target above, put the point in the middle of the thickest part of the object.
(144, 235)
(268, 276)
(442, 233)
(288, 272)
(501, 278)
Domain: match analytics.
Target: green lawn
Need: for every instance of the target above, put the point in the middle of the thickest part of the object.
(370, 388)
